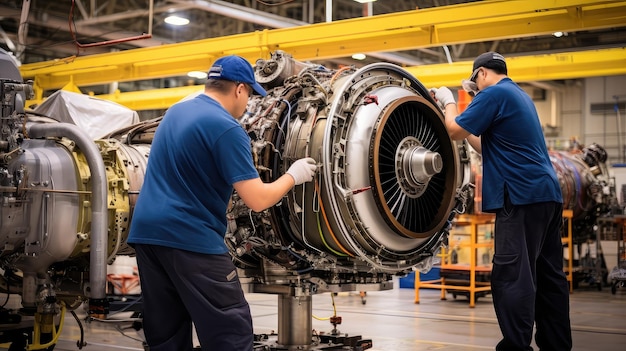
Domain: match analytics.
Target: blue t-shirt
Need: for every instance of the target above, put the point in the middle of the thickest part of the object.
(198, 152)
(514, 152)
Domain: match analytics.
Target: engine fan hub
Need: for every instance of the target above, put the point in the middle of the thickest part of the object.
(415, 166)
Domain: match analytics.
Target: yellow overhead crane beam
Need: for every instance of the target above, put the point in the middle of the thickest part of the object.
(565, 65)
(522, 69)
(422, 28)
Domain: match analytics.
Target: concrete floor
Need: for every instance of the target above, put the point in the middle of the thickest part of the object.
(394, 322)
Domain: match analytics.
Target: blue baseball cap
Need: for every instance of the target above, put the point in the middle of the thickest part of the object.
(236, 69)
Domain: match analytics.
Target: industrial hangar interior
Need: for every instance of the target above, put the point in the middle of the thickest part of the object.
(86, 82)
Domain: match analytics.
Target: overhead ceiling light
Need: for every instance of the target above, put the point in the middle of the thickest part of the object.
(364, 1)
(359, 56)
(558, 34)
(176, 20)
(197, 74)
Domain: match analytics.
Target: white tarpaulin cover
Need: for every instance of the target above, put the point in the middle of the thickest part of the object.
(96, 117)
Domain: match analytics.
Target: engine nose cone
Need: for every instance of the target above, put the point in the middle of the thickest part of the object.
(416, 165)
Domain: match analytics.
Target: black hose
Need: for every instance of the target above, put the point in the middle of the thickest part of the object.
(81, 342)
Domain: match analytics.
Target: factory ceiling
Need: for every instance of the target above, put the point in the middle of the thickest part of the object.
(51, 29)
(46, 33)
(41, 30)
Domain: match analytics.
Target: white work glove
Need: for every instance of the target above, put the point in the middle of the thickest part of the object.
(443, 96)
(303, 170)
(470, 87)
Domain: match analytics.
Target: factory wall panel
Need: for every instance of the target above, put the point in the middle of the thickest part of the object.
(571, 110)
(603, 126)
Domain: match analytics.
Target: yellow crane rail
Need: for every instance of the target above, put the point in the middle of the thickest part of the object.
(565, 65)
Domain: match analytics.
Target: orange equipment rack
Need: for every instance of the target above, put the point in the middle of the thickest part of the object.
(474, 287)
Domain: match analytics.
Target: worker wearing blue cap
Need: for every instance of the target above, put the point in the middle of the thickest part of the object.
(199, 154)
(520, 186)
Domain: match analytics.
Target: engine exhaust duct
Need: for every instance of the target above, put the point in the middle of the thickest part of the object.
(99, 220)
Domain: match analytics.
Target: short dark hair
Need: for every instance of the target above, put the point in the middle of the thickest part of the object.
(219, 85)
(497, 67)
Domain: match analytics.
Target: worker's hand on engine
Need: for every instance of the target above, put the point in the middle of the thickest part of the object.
(443, 96)
(303, 170)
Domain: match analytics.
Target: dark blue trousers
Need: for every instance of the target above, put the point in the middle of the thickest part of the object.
(180, 287)
(527, 281)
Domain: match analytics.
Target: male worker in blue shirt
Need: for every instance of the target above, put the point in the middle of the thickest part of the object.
(520, 185)
(198, 155)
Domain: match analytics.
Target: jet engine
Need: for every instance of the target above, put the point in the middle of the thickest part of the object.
(388, 173)
(587, 188)
(389, 183)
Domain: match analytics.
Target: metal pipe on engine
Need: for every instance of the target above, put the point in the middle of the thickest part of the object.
(99, 223)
